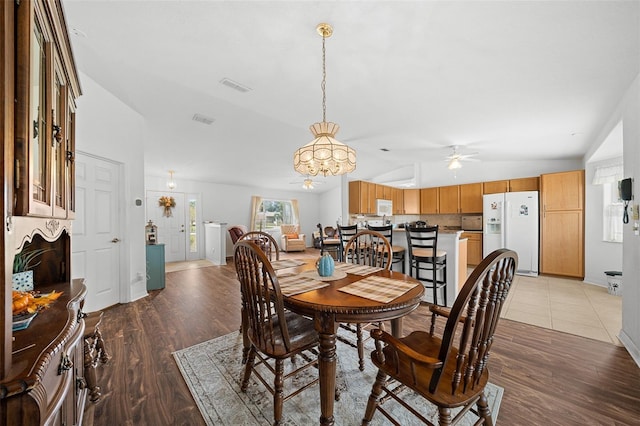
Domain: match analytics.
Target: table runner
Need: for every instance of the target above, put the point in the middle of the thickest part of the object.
(356, 269)
(380, 289)
(293, 284)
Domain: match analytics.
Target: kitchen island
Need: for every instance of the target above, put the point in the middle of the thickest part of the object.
(456, 248)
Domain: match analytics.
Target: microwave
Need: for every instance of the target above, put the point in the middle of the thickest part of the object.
(384, 207)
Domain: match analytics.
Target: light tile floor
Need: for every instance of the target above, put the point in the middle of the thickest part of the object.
(565, 305)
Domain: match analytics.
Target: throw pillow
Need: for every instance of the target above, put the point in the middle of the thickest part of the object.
(292, 236)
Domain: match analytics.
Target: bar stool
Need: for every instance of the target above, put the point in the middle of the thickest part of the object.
(345, 233)
(398, 251)
(424, 256)
(94, 351)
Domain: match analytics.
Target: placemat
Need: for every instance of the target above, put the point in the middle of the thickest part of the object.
(337, 275)
(352, 268)
(293, 284)
(380, 289)
(286, 263)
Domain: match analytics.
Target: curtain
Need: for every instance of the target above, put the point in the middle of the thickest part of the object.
(296, 214)
(256, 204)
(613, 222)
(608, 174)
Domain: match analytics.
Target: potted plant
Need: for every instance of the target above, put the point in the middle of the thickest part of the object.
(23, 264)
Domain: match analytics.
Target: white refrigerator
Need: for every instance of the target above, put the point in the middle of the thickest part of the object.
(511, 220)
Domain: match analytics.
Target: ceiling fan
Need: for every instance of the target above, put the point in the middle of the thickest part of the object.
(455, 159)
(307, 183)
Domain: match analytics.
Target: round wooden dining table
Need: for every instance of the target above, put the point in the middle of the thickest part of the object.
(329, 307)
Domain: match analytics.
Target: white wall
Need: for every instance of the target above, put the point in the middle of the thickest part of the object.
(108, 128)
(630, 334)
(231, 204)
(600, 255)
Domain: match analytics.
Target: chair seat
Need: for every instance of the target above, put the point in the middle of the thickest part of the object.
(397, 249)
(428, 345)
(302, 335)
(428, 253)
(332, 241)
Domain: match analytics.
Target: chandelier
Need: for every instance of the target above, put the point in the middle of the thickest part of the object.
(324, 154)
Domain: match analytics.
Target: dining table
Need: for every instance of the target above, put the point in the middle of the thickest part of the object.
(353, 294)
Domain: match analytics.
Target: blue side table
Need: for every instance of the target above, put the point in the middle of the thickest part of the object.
(155, 266)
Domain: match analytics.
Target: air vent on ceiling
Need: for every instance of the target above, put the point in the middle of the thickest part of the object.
(384, 149)
(203, 119)
(236, 86)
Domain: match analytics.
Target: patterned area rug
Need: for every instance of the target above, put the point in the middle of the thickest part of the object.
(212, 371)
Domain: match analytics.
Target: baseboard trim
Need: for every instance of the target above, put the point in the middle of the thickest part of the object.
(630, 346)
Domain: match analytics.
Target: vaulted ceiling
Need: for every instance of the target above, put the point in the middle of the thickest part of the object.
(508, 80)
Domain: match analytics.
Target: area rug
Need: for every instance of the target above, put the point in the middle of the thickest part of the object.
(213, 369)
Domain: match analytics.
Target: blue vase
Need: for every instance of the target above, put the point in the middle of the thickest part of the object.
(325, 265)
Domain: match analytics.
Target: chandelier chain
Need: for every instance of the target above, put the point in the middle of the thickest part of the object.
(323, 84)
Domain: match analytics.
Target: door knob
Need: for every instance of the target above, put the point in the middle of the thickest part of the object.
(115, 240)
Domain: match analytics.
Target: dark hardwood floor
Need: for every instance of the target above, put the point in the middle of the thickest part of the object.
(549, 377)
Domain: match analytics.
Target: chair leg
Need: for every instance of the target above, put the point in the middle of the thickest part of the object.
(483, 410)
(444, 416)
(278, 394)
(360, 344)
(374, 397)
(248, 368)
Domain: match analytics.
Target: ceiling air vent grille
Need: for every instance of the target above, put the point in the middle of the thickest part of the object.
(203, 119)
(236, 86)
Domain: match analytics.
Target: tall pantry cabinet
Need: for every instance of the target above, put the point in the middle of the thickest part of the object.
(42, 366)
(562, 223)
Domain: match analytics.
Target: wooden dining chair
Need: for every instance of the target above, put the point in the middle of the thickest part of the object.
(398, 251)
(274, 334)
(448, 371)
(369, 248)
(265, 241)
(328, 241)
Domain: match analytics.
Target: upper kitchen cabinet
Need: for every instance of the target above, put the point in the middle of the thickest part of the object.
(411, 201)
(362, 197)
(495, 187)
(429, 202)
(383, 192)
(524, 184)
(46, 86)
(562, 191)
(471, 198)
(398, 200)
(449, 199)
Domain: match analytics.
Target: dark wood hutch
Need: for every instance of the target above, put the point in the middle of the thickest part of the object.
(41, 367)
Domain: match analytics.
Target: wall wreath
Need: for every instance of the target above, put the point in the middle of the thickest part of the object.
(168, 203)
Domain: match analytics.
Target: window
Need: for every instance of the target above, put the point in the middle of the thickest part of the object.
(609, 178)
(613, 210)
(270, 214)
(193, 230)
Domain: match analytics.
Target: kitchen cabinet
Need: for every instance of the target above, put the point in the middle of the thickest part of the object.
(362, 197)
(562, 223)
(429, 200)
(411, 201)
(383, 192)
(471, 198)
(474, 247)
(398, 200)
(449, 199)
(524, 184)
(41, 367)
(495, 187)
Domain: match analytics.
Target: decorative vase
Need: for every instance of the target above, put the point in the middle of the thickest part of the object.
(325, 265)
(22, 281)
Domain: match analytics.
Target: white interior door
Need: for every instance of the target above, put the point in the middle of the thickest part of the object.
(96, 231)
(172, 228)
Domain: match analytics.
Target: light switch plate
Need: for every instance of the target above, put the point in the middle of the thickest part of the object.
(636, 212)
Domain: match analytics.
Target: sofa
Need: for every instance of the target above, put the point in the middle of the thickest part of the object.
(291, 238)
